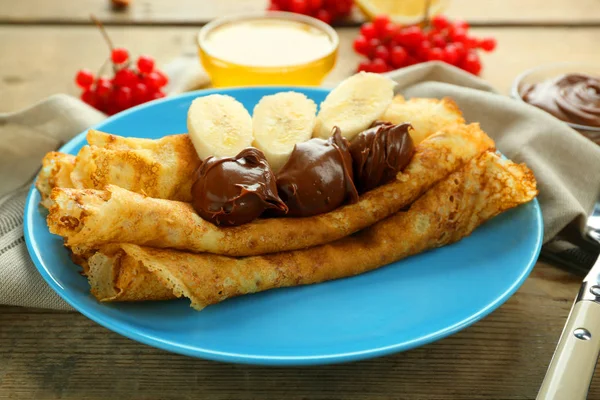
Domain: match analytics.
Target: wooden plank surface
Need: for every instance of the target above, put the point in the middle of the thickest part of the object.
(193, 12)
(57, 355)
(54, 55)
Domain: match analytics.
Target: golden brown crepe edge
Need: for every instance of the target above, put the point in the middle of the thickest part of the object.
(450, 211)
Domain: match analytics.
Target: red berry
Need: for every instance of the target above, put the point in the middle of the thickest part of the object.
(435, 54)
(88, 97)
(450, 54)
(119, 55)
(380, 23)
(84, 78)
(123, 97)
(459, 35)
(368, 30)
(364, 66)
(471, 42)
(155, 80)
(440, 22)
(411, 36)
(324, 16)
(410, 60)
(145, 64)
(315, 4)
(373, 44)
(471, 63)
(422, 52)
(438, 40)
(157, 95)
(488, 44)
(382, 52)
(378, 66)
(125, 77)
(163, 79)
(298, 6)
(360, 45)
(274, 7)
(140, 93)
(398, 56)
(388, 31)
(460, 48)
(340, 7)
(103, 87)
(459, 24)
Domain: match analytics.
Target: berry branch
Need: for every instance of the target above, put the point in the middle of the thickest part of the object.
(102, 31)
(128, 87)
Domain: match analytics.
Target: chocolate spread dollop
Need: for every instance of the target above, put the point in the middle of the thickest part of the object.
(235, 190)
(317, 177)
(572, 98)
(379, 153)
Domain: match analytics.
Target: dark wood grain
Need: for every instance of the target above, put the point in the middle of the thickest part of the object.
(61, 355)
(195, 12)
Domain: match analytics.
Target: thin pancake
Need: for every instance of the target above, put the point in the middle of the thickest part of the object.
(93, 218)
(55, 172)
(427, 116)
(161, 168)
(451, 210)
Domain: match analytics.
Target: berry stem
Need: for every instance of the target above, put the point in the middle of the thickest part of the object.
(103, 67)
(102, 31)
(426, 13)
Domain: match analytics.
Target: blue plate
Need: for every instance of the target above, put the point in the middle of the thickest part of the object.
(398, 307)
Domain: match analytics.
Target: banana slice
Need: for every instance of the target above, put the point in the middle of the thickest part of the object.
(219, 126)
(279, 122)
(354, 104)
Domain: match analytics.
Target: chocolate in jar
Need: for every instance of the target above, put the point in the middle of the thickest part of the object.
(235, 190)
(573, 98)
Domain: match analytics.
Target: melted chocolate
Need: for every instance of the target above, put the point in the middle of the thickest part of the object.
(235, 190)
(572, 98)
(379, 153)
(317, 178)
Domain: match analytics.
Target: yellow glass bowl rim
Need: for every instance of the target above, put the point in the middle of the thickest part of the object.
(275, 15)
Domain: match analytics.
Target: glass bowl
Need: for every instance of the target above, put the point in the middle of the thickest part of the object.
(307, 70)
(549, 71)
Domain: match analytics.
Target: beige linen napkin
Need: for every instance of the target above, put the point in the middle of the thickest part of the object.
(564, 162)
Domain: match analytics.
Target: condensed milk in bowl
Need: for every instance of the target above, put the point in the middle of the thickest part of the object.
(272, 48)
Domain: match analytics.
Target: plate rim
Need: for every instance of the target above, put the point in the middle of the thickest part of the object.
(107, 322)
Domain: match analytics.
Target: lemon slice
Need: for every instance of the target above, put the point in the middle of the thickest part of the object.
(401, 11)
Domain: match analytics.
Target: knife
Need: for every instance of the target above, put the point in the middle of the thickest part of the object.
(574, 361)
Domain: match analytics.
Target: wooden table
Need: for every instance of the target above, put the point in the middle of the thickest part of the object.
(58, 355)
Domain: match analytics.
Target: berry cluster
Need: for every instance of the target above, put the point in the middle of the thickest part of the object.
(325, 10)
(127, 88)
(389, 46)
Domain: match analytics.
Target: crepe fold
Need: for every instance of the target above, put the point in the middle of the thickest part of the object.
(56, 172)
(483, 188)
(115, 215)
(161, 168)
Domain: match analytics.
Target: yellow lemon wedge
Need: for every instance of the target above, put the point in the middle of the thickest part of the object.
(401, 11)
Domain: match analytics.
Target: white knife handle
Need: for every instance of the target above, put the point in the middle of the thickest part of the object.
(572, 366)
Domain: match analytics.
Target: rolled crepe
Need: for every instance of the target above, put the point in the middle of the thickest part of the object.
(93, 218)
(427, 116)
(56, 172)
(485, 187)
(162, 168)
